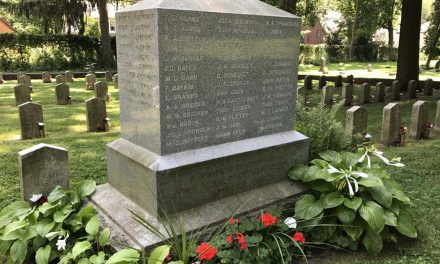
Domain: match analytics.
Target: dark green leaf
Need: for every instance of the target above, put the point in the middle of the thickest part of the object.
(331, 156)
(92, 226)
(159, 254)
(42, 255)
(381, 195)
(345, 215)
(405, 224)
(353, 203)
(373, 242)
(80, 247)
(373, 214)
(57, 194)
(124, 256)
(333, 199)
(307, 207)
(390, 218)
(86, 188)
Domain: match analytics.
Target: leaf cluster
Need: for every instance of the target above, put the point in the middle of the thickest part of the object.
(378, 211)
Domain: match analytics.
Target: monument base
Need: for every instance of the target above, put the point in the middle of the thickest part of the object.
(114, 211)
(184, 180)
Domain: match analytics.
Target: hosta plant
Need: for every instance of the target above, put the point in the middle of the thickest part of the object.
(353, 200)
(57, 229)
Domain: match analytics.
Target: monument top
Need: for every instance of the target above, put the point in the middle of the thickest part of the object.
(243, 7)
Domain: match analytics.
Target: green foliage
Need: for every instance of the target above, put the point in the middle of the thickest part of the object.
(360, 200)
(319, 123)
(311, 54)
(47, 52)
(431, 48)
(59, 229)
(248, 240)
(92, 28)
(336, 46)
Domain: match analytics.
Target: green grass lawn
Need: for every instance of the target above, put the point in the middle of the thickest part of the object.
(65, 127)
(359, 69)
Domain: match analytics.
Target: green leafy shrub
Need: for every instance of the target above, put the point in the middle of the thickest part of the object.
(311, 54)
(57, 229)
(319, 123)
(353, 200)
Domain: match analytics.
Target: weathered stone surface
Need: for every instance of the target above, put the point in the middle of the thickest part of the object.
(369, 68)
(428, 88)
(69, 76)
(90, 81)
(181, 181)
(60, 79)
(31, 117)
(380, 92)
(327, 95)
(338, 81)
(322, 81)
(350, 79)
(347, 94)
(308, 82)
(46, 77)
(42, 168)
(20, 74)
(108, 76)
(26, 80)
(101, 90)
(220, 76)
(95, 114)
(395, 90)
(420, 114)
(437, 119)
(62, 94)
(365, 94)
(390, 123)
(356, 121)
(22, 94)
(412, 89)
(116, 81)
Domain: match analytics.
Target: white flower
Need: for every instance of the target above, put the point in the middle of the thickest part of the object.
(61, 243)
(290, 222)
(348, 175)
(36, 197)
(378, 154)
(367, 136)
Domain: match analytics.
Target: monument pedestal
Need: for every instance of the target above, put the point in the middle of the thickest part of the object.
(206, 186)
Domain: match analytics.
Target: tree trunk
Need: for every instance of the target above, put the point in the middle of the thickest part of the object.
(427, 63)
(353, 31)
(106, 51)
(409, 42)
(82, 27)
(289, 6)
(390, 32)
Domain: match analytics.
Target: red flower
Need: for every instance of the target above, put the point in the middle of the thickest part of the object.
(232, 221)
(240, 237)
(168, 258)
(299, 237)
(229, 238)
(42, 200)
(268, 220)
(243, 245)
(206, 251)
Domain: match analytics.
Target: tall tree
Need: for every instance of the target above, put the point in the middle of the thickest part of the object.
(433, 34)
(387, 16)
(106, 50)
(409, 41)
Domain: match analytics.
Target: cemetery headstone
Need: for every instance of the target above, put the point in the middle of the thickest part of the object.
(356, 121)
(22, 94)
(395, 90)
(1, 77)
(69, 76)
(31, 120)
(60, 79)
(42, 168)
(101, 90)
(327, 95)
(45, 76)
(96, 115)
(26, 80)
(428, 87)
(380, 92)
(419, 116)
(338, 81)
(20, 74)
(391, 122)
(322, 65)
(90, 81)
(365, 94)
(350, 79)
(116, 81)
(412, 89)
(370, 68)
(322, 81)
(437, 65)
(347, 94)
(212, 122)
(308, 82)
(108, 76)
(62, 94)
(437, 119)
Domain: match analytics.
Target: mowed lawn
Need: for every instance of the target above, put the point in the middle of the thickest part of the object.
(65, 126)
